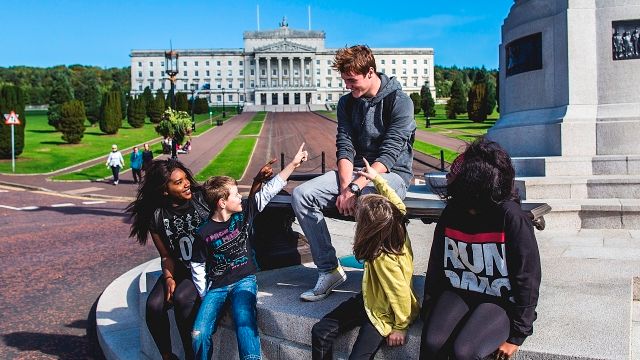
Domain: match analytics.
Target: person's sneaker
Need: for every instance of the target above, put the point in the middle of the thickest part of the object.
(326, 283)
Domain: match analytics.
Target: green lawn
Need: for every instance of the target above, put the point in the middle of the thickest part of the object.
(100, 171)
(255, 125)
(434, 151)
(45, 151)
(234, 158)
(461, 128)
(330, 114)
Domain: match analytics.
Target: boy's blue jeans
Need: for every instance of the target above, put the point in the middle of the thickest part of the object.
(242, 295)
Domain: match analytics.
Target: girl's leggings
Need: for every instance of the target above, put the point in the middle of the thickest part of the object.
(463, 329)
(185, 307)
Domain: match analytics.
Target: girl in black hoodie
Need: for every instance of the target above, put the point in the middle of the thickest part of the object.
(483, 277)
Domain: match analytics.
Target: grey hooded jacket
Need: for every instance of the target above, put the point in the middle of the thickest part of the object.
(365, 135)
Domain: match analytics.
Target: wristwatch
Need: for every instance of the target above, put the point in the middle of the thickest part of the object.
(354, 188)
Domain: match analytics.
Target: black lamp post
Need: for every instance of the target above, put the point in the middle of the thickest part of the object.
(171, 68)
(224, 112)
(193, 103)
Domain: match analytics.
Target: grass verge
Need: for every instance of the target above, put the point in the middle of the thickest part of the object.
(434, 151)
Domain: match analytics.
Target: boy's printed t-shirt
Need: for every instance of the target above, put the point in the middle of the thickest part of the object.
(225, 246)
(488, 257)
(178, 225)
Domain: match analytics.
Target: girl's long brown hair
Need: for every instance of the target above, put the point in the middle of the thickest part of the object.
(381, 227)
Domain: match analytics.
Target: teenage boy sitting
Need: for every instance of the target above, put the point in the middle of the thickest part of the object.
(223, 265)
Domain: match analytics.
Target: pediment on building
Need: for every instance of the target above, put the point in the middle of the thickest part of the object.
(284, 46)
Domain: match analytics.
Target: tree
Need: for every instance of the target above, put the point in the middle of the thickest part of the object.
(157, 108)
(481, 98)
(60, 93)
(427, 104)
(457, 104)
(147, 97)
(136, 113)
(87, 90)
(111, 114)
(202, 106)
(12, 98)
(168, 101)
(160, 94)
(175, 124)
(416, 99)
(121, 99)
(182, 102)
(72, 118)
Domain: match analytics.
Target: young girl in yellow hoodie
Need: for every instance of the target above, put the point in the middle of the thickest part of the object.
(387, 304)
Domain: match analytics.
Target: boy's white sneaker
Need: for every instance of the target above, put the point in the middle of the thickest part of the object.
(326, 283)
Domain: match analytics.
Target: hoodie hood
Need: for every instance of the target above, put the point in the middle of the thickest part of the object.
(387, 85)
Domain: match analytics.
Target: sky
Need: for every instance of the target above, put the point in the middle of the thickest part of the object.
(102, 33)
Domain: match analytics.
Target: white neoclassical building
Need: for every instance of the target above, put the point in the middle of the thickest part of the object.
(277, 70)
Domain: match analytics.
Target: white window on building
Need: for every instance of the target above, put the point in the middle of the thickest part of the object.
(150, 85)
(184, 63)
(404, 71)
(426, 71)
(229, 62)
(196, 63)
(252, 62)
(393, 61)
(140, 87)
(328, 71)
(139, 74)
(208, 73)
(328, 83)
(241, 72)
(274, 72)
(318, 83)
(382, 70)
(425, 61)
(196, 73)
(415, 82)
(404, 61)
(241, 85)
(219, 98)
(230, 84)
(415, 61)
(230, 97)
(162, 63)
(150, 73)
(162, 85)
(241, 97)
(229, 72)
(263, 72)
(306, 71)
(329, 97)
(319, 97)
(218, 72)
(218, 85)
(329, 62)
(393, 71)
(150, 63)
(218, 63)
(206, 63)
(252, 72)
(415, 71)
(318, 71)
(382, 61)
(185, 87)
(317, 62)
(240, 62)
(252, 84)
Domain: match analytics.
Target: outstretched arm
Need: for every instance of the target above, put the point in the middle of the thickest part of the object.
(299, 158)
(370, 173)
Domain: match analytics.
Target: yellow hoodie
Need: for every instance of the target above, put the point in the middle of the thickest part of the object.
(387, 290)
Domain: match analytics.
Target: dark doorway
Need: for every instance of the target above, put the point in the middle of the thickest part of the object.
(274, 99)
(296, 98)
(263, 99)
(285, 99)
(308, 96)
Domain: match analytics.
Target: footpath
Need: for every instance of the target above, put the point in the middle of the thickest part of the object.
(205, 147)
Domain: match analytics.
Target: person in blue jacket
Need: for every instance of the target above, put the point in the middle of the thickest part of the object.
(136, 165)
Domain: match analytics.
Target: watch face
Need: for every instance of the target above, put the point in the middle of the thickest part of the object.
(354, 188)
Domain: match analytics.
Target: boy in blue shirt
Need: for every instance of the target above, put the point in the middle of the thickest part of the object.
(223, 264)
